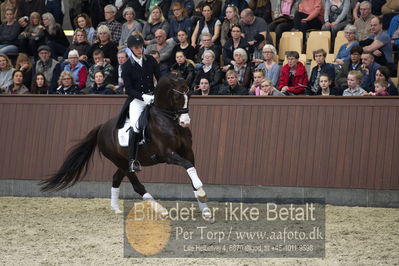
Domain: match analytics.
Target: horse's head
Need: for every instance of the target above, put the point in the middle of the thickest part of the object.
(172, 96)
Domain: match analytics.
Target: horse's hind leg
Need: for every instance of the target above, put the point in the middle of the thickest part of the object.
(115, 190)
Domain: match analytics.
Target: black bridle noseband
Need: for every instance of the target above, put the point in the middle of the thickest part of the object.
(174, 114)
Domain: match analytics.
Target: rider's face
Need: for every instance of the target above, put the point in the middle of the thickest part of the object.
(137, 51)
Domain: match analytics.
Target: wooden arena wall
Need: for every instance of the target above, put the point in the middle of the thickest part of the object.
(334, 142)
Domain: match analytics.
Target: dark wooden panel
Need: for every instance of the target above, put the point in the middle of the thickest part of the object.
(347, 142)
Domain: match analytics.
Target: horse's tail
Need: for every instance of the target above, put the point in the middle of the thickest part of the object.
(75, 165)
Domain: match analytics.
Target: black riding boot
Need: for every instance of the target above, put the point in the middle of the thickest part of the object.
(134, 164)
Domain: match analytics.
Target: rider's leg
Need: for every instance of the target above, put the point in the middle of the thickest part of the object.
(135, 109)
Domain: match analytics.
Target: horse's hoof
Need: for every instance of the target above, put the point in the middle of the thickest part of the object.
(117, 211)
(201, 195)
(207, 215)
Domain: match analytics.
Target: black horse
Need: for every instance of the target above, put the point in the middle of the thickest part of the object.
(170, 141)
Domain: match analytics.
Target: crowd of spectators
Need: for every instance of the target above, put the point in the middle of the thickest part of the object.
(218, 47)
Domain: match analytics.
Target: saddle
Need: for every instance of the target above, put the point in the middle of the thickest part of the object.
(123, 133)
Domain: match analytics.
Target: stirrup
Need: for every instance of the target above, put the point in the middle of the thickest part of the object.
(134, 166)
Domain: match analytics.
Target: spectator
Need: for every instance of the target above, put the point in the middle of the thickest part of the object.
(100, 64)
(322, 67)
(257, 50)
(204, 88)
(216, 7)
(122, 58)
(9, 31)
(114, 26)
(139, 8)
(100, 86)
(78, 70)
(376, 6)
(105, 44)
(184, 67)
(270, 68)
(56, 7)
(24, 65)
(157, 56)
(390, 9)
(131, 25)
(284, 18)
(363, 23)
(83, 22)
(96, 11)
(369, 68)
(164, 6)
(258, 77)
(17, 86)
(80, 44)
(344, 51)
(380, 45)
(336, 16)
(207, 44)
(240, 5)
(156, 21)
(251, 26)
(293, 75)
(308, 16)
(8, 4)
(267, 89)
(32, 36)
(48, 66)
(380, 88)
(233, 86)
(179, 21)
(354, 78)
(188, 5)
(66, 84)
(262, 9)
(209, 70)
(163, 47)
(184, 46)
(232, 18)
(39, 84)
(393, 32)
(324, 85)
(6, 71)
(382, 73)
(55, 36)
(354, 63)
(236, 41)
(206, 24)
(25, 8)
(241, 67)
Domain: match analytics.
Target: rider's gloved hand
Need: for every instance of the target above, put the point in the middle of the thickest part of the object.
(148, 99)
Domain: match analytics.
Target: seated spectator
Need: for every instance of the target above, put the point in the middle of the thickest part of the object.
(39, 84)
(354, 89)
(267, 88)
(293, 76)
(24, 65)
(105, 44)
(216, 7)
(66, 84)
(363, 23)
(48, 66)
(322, 67)
(207, 44)
(390, 9)
(80, 44)
(78, 70)
(131, 25)
(393, 32)
(204, 88)
(376, 6)
(232, 18)
(179, 21)
(157, 56)
(354, 63)
(308, 16)
(83, 22)
(252, 25)
(325, 86)
(206, 24)
(258, 76)
(9, 31)
(283, 18)
(184, 46)
(185, 68)
(382, 73)
(369, 68)
(344, 50)
(380, 88)
(239, 4)
(188, 5)
(336, 16)
(139, 8)
(379, 44)
(156, 21)
(257, 50)
(100, 64)
(233, 86)
(241, 67)
(8, 4)
(6, 71)
(163, 47)
(17, 86)
(236, 41)
(269, 67)
(114, 26)
(32, 36)
(55, 36)
(262, 9)
(100, 86)
(210, 70)
(26, 8)
(122, 58)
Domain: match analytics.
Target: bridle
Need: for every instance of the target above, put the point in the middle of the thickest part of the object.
(174, 114)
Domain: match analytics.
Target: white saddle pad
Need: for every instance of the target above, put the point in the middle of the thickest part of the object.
(123, 134)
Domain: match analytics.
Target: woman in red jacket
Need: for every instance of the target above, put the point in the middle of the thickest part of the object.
(293, 76)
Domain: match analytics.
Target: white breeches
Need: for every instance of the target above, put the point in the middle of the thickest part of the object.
(136, 107)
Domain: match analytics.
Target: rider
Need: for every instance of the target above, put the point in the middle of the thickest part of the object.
(138, 75)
